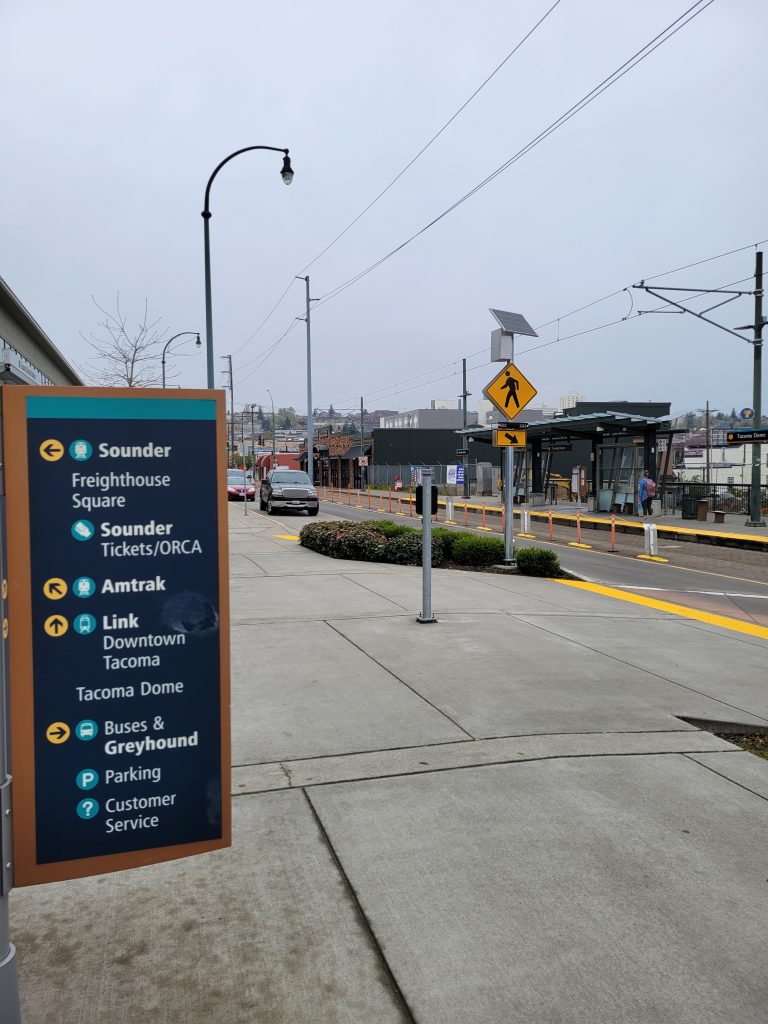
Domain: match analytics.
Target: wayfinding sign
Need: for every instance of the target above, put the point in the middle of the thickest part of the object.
(748, 435)
(118, 618)
(510, 438)
(510, 391)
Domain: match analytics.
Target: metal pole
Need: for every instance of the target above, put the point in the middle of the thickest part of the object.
(273, 425)
(253, 444)
(706, 442)
(208, 309)
(287, 175)
(10, 1009)
(756, 518)
(362, 432)
(426, 548)
(231, 460)
(509, 487)
(464, 395)
(310, 417)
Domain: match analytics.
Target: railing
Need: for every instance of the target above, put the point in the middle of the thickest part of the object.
(721, 497)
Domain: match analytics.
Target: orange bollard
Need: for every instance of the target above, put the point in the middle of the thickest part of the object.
(578, 526)
(613, 532)
(550, 525)
(390, 501)
(369, 499)
(466, 515)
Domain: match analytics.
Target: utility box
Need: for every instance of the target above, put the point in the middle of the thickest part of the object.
(485, 476)
(501, 346)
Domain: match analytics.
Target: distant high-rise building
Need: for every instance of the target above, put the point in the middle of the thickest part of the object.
(568, 401)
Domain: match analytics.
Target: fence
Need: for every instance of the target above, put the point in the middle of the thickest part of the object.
(721, 497)
(410, 476)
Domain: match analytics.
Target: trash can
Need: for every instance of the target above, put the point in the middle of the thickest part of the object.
(702, 508)
(689, 505)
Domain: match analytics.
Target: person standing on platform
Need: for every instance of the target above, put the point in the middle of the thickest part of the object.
(646, 492)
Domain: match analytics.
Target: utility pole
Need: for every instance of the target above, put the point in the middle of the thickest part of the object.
(465, 395)
(755, 516)
(231, 460)
(755, 510)
(706, 445)
(362, 433)
(310, 418)
(253, 440)
(273, 427)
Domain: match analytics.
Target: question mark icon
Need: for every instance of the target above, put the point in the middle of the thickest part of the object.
(88, 809)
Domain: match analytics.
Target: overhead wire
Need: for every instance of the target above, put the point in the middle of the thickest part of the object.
(642, 54)
(407, 167)
(633, 314)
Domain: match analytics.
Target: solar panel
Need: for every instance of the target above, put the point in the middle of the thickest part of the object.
(513, 323)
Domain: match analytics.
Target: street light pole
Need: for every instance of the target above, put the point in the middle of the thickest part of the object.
(273, 425)
(287, 175)
(165, 347)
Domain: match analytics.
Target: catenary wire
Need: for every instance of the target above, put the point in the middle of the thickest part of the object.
(662, 37)
(407, 167)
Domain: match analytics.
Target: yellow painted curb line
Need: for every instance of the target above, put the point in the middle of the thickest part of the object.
(487, 529)
(528, 536)
(285, 536)
(652, 558)
(723, 621)
(575, 544)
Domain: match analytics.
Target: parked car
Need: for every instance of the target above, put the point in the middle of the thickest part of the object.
(238, 485)
(288, 490)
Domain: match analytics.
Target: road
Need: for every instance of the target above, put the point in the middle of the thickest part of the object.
(741, 595)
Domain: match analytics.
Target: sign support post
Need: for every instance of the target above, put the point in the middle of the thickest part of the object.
(9, 982)
(426, 548)
(509, 487)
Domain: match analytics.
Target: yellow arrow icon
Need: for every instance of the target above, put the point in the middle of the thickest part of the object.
(57, 732)
(51, 450)
(55, 588)
(56, 625)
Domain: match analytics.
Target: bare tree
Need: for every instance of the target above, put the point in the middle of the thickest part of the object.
(125, 356)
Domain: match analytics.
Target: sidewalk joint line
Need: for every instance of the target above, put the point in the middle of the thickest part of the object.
(716, 772)
(657, 675)
(399, 680)
(362, 917)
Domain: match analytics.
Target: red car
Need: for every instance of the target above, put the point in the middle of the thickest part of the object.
(239, 487)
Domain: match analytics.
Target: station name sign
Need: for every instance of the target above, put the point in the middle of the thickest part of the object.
(118, 627)
(747, 436)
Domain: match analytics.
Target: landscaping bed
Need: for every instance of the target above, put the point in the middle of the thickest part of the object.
(381, 540)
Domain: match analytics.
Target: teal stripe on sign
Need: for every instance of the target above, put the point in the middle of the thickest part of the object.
(40, 407)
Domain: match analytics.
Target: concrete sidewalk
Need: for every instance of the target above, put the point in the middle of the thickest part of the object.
(502, 817)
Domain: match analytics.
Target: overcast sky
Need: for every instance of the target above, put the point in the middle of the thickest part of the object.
(114, 115)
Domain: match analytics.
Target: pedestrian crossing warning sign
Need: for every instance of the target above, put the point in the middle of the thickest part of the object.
(510, 391)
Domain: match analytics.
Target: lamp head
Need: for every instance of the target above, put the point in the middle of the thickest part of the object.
(287, 172)
(198, 343)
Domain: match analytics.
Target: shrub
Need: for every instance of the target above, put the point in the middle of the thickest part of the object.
(360, 543)
(537, 562)
(387, 528)
(344, 540)
(406, 549)
(448, 537)
(469, 549)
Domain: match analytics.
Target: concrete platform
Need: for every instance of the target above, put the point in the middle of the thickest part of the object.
(497, 818)
(590, 891)
(265, 932)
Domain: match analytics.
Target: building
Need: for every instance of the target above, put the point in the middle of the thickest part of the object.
(427, 419)
(569, 400)
(28, 354)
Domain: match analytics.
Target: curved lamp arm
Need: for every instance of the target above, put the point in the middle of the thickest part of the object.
(286, 173)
